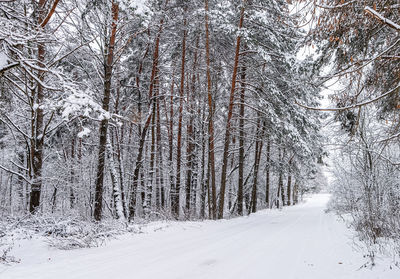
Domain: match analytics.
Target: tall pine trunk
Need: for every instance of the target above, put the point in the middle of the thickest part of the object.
(190, 145)
(295, 193)
(241, 143)
(257, 156)
(230, 113)
(267, 174)
(159, 169)
(211, 155)
(176, 193)
(143, 134)
(289, 184)
(37, 122)
(72, 197)
(116, 189)
(189, 155)
(203, 184)
(103, 131)
(171, 139)
(119, 141)
(149, 187)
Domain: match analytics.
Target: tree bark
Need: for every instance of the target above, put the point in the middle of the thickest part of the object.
(295, 193)
(142, 140)
(203, 184)
(190, 145)
(98, 201)
(72, 197)
(176, 192)
(117, 191)
(149, 186)
(211, 165)
(37, 142)
(189, 156)
(257, 156)
(121, 170)
(230, 113)
(171, 139)
(267, 174)
(159, 169)
(241, 143)
(289, 184)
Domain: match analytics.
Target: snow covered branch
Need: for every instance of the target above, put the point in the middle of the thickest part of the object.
(7, 67)
(16, 173)
(381, 18)
(337, 6)
(358, 105)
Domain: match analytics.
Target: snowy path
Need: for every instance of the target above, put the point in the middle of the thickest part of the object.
(299, 242)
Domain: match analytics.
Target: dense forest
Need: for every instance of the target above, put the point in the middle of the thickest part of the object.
(199, 109)
(185, 110)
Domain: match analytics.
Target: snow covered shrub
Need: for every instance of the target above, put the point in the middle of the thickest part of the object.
(6, 245)
(62, 232)
(367, 189)
(73, 233)
(4, 254)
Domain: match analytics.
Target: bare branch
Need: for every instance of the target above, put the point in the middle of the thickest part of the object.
(16, 173)
(358, 105)
(50, 14)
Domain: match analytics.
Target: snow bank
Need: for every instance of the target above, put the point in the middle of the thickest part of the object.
(298, 242)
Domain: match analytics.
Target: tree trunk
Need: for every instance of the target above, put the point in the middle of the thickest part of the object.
(267, 174)
(241, 143)
(209, 194)
(228, 122)
(142, 140)
(159, 169)
(21, 183)
(72, 197)
(211, 165)
(190, 145)
(149, 191)
(37, 124)
(203, 185)
(289, 184)
(119, 138)
(103, 131)
(189, 156)
(121, 168)
(149, 186)
(257, 156)
(117, 195)
(278, 194)
(176, 193)
(295, 193)
(171, 139)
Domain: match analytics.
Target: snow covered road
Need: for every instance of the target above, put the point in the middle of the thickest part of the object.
(299, 242)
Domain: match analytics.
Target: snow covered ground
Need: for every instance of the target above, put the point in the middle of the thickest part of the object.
(298, 242)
